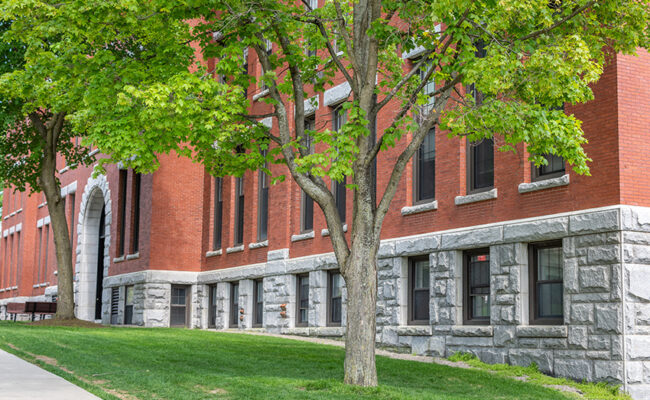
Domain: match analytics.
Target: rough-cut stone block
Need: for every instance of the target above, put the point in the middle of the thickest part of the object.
(504, 335)
(608, 318)
(475, 238)
(594, 222)
(336, 94)
(547, 229)
(469, 341)
(635, 219)
(637, 253)
(638, 278)
(553, 343)
(525, 357)
(472, 331)
(638, 347)
(386, 249)
(578, 337)
(582, 313)
(603, 254)
(559, 331)
(639, 391)
(573, 368)
(594, 278)
(476, 197)
(414, 330)
(417, 245)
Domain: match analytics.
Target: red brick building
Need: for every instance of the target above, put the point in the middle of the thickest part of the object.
(511, 263)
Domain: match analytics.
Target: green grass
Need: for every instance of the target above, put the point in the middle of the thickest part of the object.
(194, 364)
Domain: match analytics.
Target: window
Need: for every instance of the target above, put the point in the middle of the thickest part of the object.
(338, 188)
(481, 165)
(553, 169)
(128, 306)
(418, 301)
(135, 203)
(313, 4)
(234, 304)
(268, 45)
(476, 277)
(334, 303)
(179, 308)
(245, 71)
(306, 202)
(425, 170)
(302, 303)
(218, 213)
(258, 302)
(428, 89)
(212, 311)
(39, 255)
(122, 211)
(46, 228)
(239, 211)
(263, 206)
(546, 283)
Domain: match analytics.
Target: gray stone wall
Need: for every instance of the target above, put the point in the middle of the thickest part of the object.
(606, 331)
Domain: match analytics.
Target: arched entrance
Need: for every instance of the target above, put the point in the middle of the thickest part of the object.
(93, 250)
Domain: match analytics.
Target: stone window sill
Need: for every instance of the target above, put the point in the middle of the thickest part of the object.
(261, 94)
(258, 245)
(414, 330)
(235, 249)
(326, 232)
(419, 208)
(42, 205)
(557, 331)
(214, 253)
(472, 331)
(544, 184)
(118, 259)
(64, 169)
(476, 197)
(133, 256)
(302, 236)
(92, 153)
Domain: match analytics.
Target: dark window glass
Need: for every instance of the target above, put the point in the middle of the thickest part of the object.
(72, 222)
(335, 298)
(239, 211)
(425, 167)
(419, 291)
(234, 304)
(212, 311)
(547, 287)
(135, 228)
(307, 203)
(122, 209)
(258, 302)
(302, 303)
(178, 306)
(338, 188)
(481, 165)
(218, 213)
(477, 287)
(554, 168)
(263, 207)
(128, 306)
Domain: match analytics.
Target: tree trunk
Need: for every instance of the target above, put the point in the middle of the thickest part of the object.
(361, 282)
(60, 232)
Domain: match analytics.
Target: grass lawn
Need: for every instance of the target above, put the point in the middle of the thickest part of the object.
(132, 363)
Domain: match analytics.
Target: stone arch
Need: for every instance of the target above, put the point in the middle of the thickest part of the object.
(96, 197)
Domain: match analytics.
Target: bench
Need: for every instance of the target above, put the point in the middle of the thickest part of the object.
(31, 307)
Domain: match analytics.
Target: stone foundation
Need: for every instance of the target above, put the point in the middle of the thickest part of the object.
(605, 335)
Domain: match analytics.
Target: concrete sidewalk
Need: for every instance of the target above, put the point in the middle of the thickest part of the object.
(20, 380)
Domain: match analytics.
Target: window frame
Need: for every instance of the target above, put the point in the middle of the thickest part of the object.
(135, 212)
(240, 203)
(126, 304)
(187, 305)
(330, 279)
(263, 206)
(217, 229)
(258, 320)
(471, 179)
(123, 186)
(533, 300)
(299, 321)
(411, 292)
(468, 318)
(310, 124)
(538, 176)
(416, 173)
(212, 306)
(233, 318)
(339, 190)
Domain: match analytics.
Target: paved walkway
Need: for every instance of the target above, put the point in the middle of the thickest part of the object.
(20, 380)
